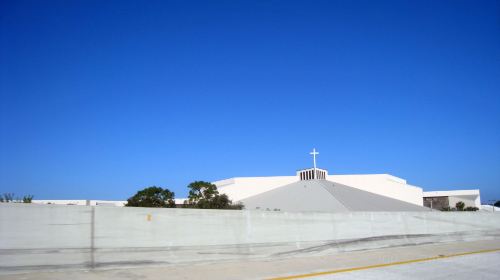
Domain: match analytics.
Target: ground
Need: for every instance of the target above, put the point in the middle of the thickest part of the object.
(459, 260)
(476, 266)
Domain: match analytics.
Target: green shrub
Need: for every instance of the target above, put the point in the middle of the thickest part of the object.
(152, 197)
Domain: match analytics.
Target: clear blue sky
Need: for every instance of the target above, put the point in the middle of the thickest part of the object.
(102, 98)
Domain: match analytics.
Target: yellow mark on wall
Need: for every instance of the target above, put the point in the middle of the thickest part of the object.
(148, 217)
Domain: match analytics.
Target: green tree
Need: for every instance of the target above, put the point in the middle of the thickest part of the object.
(460, 206)
(204, 195)
(497, 204)
(8, 197)
(152, 197)
(471, 208)
(27, 198)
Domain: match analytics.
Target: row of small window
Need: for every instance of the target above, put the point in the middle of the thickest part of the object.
(309, 175)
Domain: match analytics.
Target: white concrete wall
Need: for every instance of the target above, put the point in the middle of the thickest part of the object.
(467, 200)
(53, 236)
(382, 184)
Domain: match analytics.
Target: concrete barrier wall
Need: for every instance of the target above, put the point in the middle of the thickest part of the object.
(54, 236)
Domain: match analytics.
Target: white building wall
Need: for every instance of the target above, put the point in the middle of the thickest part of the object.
(243, 187)
(382, 184)
(467, 200)
(83, 202)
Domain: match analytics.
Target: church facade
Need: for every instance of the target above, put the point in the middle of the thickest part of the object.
(240, 188)
(314, 189)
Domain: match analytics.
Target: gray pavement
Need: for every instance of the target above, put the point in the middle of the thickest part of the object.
(476, 266)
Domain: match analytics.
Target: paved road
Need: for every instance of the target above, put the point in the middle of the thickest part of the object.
(477, 266)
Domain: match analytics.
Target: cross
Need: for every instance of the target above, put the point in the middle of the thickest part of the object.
(314, 153)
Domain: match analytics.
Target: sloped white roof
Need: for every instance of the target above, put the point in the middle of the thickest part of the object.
(325, 196)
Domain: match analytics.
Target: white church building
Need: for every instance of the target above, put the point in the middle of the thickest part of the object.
(241, 188)
(314, 189)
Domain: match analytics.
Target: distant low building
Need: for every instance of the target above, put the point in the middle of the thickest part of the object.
(81, 202)
(448, 199)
